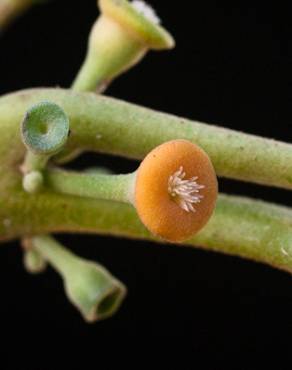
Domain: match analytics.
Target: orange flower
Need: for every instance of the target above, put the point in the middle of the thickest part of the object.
(176, 190)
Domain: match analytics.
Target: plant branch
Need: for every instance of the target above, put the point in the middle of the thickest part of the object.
(112, 126)
(90, 185)
(239, 226)
(242, 227)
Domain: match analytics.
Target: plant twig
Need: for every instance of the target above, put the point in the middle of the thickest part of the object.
(242, 227)
(111, 126)
(239, 226)
(91, 185)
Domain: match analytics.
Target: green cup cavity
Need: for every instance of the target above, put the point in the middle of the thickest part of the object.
(45, 128)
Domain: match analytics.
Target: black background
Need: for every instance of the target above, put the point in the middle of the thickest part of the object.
(232, 66)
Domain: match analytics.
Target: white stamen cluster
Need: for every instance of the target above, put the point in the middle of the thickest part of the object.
(185, 192)
(146, 10)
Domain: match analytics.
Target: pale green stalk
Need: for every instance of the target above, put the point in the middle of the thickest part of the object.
(239, 226)
(91, 185)
(34, 162)
(111, 126)
(256, 230)
(242, 227)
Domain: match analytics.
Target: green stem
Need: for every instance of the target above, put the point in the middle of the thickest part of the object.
(100, 186)
(239, 226)
(250, 229)
(34, 162)
(111, 51)
(59, 257)
(88, 78)
(242, 227)
(111, 126)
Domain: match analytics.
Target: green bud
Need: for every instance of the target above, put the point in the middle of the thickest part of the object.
(33, 182)
(33, 262)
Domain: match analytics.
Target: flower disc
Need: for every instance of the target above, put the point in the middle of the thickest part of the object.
(176, 190)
